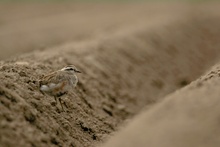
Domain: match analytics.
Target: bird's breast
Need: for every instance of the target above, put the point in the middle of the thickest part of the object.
(74, 80)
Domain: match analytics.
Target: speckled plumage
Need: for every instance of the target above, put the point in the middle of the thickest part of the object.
(59, 82)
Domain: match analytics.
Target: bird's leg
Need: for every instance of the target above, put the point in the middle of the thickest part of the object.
(65, 104)
(61, 103)
(74, 94)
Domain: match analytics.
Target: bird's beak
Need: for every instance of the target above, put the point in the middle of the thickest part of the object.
(78, 71)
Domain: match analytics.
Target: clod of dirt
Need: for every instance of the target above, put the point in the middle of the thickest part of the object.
(29, 115)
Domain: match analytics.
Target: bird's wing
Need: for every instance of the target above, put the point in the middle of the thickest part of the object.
(54, 77)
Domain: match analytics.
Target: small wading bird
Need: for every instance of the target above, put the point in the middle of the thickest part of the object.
(58, 83)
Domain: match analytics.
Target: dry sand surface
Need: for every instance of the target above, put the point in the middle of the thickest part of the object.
(135, 59)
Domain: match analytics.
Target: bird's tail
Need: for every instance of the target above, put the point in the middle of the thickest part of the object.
(44, 88)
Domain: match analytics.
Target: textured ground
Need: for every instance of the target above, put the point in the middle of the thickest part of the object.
(134, 58)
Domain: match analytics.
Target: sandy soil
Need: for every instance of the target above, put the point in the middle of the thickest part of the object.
(135, 58)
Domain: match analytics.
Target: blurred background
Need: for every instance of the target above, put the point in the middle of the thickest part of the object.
(104, 0)
(29, 25)
(133, 53)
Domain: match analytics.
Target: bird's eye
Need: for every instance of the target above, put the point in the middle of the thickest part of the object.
(70, 69)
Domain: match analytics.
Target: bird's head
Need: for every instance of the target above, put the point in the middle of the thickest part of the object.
(70, 69)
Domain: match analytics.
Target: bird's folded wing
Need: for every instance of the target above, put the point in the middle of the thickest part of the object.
(54, 77)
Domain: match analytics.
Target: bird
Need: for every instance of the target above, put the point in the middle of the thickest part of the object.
(59, 83)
